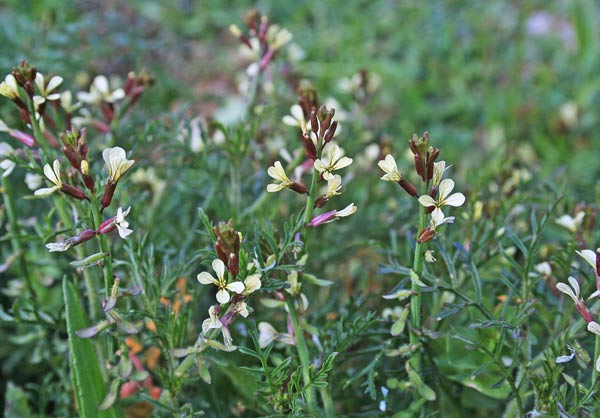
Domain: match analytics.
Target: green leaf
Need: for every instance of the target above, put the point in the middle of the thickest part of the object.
(87, 380)
(15, 402)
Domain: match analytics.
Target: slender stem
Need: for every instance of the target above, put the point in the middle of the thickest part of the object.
(302, 354)
(253, 97)
(15, 240)
(310, 201)
(415, 301)
(595, 359)
(103, 246)
(328, 402)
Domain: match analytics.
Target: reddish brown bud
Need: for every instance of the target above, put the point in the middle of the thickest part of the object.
(314, 122)
(23, 138)
(330, 132)
(89, 182)
(109, 111)
(72, 156)
(408, 186)
(73, 191)
(320, 202)
(298, 188)
(309, 146)
(233, 265)
(426, 235)
(109, 191)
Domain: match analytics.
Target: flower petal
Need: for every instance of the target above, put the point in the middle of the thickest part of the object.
(223, 296)
(575, 285)
(426, 200)
(219, 268)
(589, 256)
(457, 199)
(237, 287)
(206, 278)
(446, 187)
(54, 83)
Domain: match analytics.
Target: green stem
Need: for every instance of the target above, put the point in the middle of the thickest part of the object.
(103, 246)
(415, 301)
(328, 402)
(253, 97)
(15, 240)
(596, 355)
(303, 354)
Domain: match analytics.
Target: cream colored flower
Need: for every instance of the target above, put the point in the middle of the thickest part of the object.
(100, 92)
(438, 172)
(6, 165)
(251, 284)
(222, 294)
(277, 37)
(213, 321)
(266, 334)
(571, 291)
(117, 162)
(66, 102)
(296, 118)
(121, 224)
(334, 184)
(46, 90)
(444, 199)
(333, 159)
(52, 174)
(277, 172)
(9, 87)
(589, 256)
(389, 166)
(571, 223)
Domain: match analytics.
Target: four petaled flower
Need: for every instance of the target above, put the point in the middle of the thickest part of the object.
(444, 198)
(100, 92)
(277, 172)
(52, 174)
(333, 159)
(117, 162)
(46, 90)
(221, 282)
(391, 169)
(212, 322)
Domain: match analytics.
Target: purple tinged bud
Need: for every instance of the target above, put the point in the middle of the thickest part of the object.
(23, 138)
(322, 219)
(330, 132)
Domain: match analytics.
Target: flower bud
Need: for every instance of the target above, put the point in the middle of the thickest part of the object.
(109, 191)
(426, 235)
(73, 191)
(330, 132)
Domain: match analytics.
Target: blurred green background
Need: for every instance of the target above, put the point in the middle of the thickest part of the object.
(514, 81)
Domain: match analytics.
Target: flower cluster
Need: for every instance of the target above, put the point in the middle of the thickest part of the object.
(263, 40)
(230, 287)
(573, 291)
(431, 173)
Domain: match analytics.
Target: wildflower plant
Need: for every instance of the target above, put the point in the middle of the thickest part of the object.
(249, 255)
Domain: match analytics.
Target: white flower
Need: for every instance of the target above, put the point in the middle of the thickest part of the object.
(121, 224)
(46, 90)
(117, 162)
(266, 334)
(213, 321)
(391, 169)
(222, 294)
(571, 223)
(277, 172)
(444, 198)
(334, 184)
(52, 174)
(251, 284)
(571, 291)
(438, 172)
(100, 92)
(589, 256)
(347, 211)
(543, 268)
(429, 256)
(296, 118)
(242, 309)
(593, 327)
(6, 165)
(33, 181)
(66, 102)
(59, 246)
(333, 159)
(9, 87)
